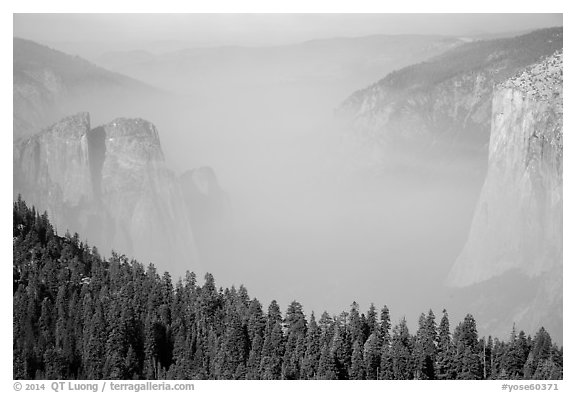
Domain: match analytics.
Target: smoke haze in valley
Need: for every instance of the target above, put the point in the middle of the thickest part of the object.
(254, 97)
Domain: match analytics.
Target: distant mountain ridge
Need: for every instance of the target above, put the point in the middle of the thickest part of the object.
(73, 71)
(47, 83)
(442, 104)
(351, 60)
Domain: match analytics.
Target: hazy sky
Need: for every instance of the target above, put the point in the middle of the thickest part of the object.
(261, 29)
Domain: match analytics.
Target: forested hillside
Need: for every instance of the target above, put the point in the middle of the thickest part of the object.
(79, 315)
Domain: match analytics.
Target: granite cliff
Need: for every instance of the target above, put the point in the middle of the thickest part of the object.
(440, 108)
(490, 112)
(518, 220)
(110, 184)
(516, 231)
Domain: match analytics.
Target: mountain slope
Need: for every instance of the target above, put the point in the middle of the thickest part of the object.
(49, 84)
(443, 105)
(344, 62)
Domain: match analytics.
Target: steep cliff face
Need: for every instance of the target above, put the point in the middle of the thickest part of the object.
(517, 225)
(444, 105)
(518, 220)
(111, 185)
(53, 168)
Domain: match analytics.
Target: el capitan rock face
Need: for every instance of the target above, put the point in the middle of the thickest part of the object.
(111, 185)
(518, 220)
(517, 225)
(502, 99)
(441, 107)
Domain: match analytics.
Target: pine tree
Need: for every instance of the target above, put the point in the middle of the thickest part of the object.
(313, 348)
(255, 358)
(547, 370)
(256, 326)
(371, 319)
(94, 355)
(468, 358)
(356, 331)
(233, 351)
(401, 349)
(273, 347)
(386, 357)
(372, 355)
(116, 345)
(425, 347)
(327, 364)
(540, 351)
(295, 341)
(46, 326)
(357, 366)
(386, 370)
(131, 364)
(326, 328)
(498, 371)
(385, 325)
(516, 355)
(256, 320)
(339, 351)
(487, 347)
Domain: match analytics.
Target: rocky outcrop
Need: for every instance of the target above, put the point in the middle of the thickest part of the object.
(518, 220)
(517, 225)
(52, 168)
(111, 185)
(441, 107)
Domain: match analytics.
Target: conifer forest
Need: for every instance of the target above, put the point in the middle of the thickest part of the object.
(80, 315)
